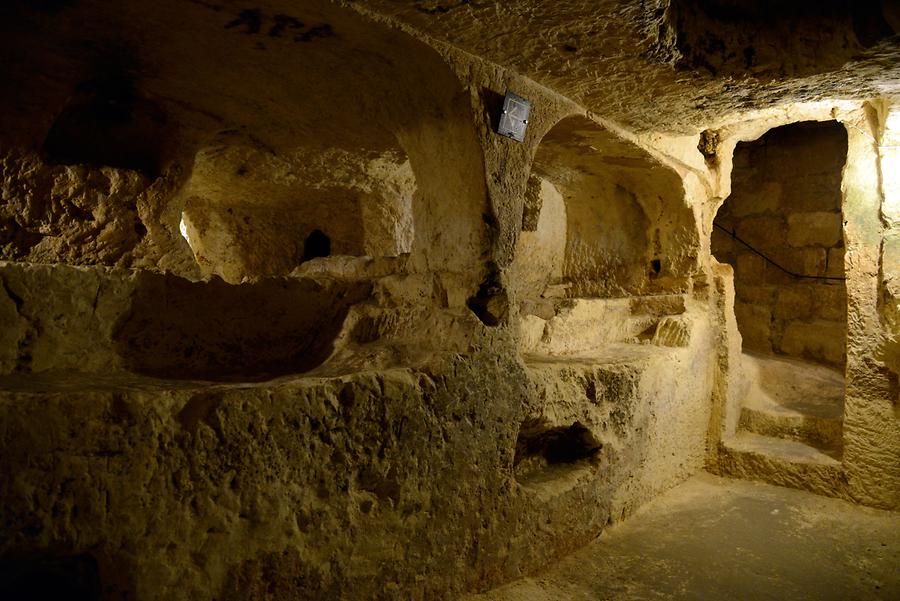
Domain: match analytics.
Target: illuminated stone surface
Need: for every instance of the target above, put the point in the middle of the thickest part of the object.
(396, 355)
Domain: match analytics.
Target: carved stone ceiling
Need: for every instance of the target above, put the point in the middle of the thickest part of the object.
(656, 65)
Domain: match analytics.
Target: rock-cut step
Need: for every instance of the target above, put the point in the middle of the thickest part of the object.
(781, 462)
(761, 415)
(794, 400)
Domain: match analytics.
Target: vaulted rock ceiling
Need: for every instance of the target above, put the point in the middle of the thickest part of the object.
(675, 65)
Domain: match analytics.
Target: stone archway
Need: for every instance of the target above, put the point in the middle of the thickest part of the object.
(626, 228)
(782, 231)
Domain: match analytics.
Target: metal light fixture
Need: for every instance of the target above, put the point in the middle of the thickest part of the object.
(514, 118)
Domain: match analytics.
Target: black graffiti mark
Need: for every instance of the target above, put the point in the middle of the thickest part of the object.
(283, 22)
(319, 31)
(251, 18)
(440, 9)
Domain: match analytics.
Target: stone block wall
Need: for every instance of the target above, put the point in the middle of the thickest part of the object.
(786, 205)
(143, 431)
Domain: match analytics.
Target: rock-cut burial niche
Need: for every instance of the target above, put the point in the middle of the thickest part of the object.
(544, 452)
(313, 160)
(375, 157)
(76, 201)
(781, 229)
(249, 214)
(602, 219)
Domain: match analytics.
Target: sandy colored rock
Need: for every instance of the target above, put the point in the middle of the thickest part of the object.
(282, 316)
(814, 229)
(782, 231)
(824, 548)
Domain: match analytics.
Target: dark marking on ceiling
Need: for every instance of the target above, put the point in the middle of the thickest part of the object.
(253, 21)
(440, 9)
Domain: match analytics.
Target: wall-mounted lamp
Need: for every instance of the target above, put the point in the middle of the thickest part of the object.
(514, 118)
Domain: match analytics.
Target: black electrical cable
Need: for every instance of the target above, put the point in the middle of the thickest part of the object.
(787, 271)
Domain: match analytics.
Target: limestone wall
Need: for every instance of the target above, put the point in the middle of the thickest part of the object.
(82, 214)
(785, 203)
(351, 429)
(871, 424)
(870, 464)
(248, 214)
(374, 485)
(542, 359)
(889, 298)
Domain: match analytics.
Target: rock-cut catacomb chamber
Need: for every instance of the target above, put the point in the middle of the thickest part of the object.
(248, 215)
(331, 180)
(285, 315)
(608, 244)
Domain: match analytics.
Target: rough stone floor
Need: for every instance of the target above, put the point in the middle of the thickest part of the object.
(714, 538)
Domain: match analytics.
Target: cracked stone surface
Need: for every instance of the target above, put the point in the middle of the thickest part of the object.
(282, 317)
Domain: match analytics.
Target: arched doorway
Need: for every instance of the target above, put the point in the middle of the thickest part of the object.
(604, 222)
(781, 229)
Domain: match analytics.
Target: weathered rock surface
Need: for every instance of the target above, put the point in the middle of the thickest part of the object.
(181, 489)
(781, 228)
(282, 317)
(675, 66)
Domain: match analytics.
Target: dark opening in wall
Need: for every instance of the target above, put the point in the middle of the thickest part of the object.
(800, 37)
(491, 303)
(782, 231)
(108, 124)
(75, 578)
(540, 448)
(317, 244)
(614, 207)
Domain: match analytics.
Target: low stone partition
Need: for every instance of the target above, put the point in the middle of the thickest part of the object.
(622, 414)
(559, 327)
(399, 483)
(100, 320)
(457, 471)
